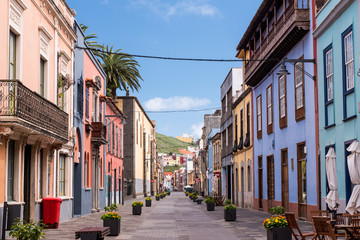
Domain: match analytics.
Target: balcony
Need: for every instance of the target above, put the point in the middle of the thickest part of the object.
(98, 133)
(282, 36)
(26, 111)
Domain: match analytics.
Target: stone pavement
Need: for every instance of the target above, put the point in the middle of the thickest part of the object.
(175, 217)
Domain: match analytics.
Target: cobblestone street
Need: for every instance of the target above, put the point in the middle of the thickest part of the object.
(175, 217)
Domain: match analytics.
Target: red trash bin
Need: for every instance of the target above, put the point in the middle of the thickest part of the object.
(51, 211)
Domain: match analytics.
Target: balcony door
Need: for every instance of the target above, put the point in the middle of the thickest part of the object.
(27, 182)
(260, 180)
(270, 181)
(302, 181)
(284, 179)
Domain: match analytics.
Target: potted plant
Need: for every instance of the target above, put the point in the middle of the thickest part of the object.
(23, 231)
(277, 225)
(161, 195)
(112, 220)
(277, 228)
(186, 193)
(168, 192)
(210, 203)
(148, 202)
(136, 207)
(230, 212)
(157, 196)
(195, 196)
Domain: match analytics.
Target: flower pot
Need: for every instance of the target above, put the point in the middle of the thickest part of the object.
(148, 203)
(279, 233)
(198, 201)
(230, 214)
(157, 198)
(194, 199)
(136, 210)
(168, 193)
(210, 206)
(161, 196)
(114, 225)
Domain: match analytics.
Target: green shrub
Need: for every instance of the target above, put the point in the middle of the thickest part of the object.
(148, 198)
(209, 199)
(279, 210)
(227, 201)
(27, 231)
(138, 203)
(112, 207)
(230, 206)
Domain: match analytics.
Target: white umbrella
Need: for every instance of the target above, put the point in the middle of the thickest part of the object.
(332, 199)
(214, 184)
(354, 171)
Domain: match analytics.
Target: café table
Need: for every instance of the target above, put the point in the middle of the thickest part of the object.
(348, 230)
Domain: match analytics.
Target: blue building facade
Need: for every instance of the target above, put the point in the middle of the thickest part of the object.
(83, 197)
(285, 159)
(337, 34)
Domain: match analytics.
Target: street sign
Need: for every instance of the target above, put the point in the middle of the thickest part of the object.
(152, 181)
(198, 180)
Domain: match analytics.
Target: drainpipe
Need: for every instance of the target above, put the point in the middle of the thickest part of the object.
(318, 167)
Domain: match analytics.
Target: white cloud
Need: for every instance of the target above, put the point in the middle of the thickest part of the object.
(182, 7)
(175, 103)
(196, 129)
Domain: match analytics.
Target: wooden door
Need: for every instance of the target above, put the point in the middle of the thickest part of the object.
(260, 175)
(27, 182)
(270, 181)
(284, 180)
(302, 182)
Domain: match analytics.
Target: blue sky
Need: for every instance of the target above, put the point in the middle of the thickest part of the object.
(173, 28)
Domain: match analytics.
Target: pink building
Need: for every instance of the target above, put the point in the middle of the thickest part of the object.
(36, 141)
(114, 154)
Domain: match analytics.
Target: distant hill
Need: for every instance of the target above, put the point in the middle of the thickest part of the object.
(166, 144)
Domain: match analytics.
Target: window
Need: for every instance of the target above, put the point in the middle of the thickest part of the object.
(258, 117)
(40, 175)
(61, 92)
(349, 61)
(248, 118)
(269, 108)
(62, 175)
(226, 137)
(236, 129)
(49, 177)
(117, 142)
(12, 56)
(80, 100)
(100, 112)
(282, 102)
(42, 77)
(348, 73)
(226, 103)
(87, 95)
(113, 137)
(109, 136)
(241, 125)
(120, 142)
(137, 132)
(329, 75)
(299, 91)
(11, 171)
(86, 170)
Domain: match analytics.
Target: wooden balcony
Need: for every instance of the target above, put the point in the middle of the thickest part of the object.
(285, 33)
(26, 111)
(98, 133)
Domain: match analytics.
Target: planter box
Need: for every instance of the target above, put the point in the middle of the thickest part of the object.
(114, 225)
(279, 233)
(148, 203)
(194, 199)
(157, 198)
(168, 193)
(199, 201)
(136, 210)
(230, 215)
(210, 206)
(161, 196)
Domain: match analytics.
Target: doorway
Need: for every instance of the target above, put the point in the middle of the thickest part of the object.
(284, 179)
(270, 181)
(237, 187)
(242, 188)
(228, 182)
(302, 191)
(27, 181)
(260, 176)
(109, 190)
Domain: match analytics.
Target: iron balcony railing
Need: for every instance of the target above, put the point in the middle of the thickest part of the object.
(38, 113)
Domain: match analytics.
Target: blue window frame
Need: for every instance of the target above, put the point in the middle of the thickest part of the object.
(347, 41)
(328, 80)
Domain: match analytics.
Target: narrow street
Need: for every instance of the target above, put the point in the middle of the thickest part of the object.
(175, 217)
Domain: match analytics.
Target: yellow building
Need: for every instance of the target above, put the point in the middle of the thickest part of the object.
(243, 152)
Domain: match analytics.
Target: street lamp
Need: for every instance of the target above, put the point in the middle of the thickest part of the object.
(284, 72)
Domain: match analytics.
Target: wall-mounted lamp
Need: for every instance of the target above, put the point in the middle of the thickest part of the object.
(284, 72)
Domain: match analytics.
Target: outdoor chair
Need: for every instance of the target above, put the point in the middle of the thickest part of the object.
(295, 230)
(323, 228)
(355, 222)
(321, 213)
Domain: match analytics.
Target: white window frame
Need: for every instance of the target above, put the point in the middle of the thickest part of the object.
(282, 95)
(269, 104)
(329, 74)
(258, 112)
(299, 75)
(349, 60)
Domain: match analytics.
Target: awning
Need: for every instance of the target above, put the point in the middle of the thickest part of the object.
(332, 199)
(354, 172)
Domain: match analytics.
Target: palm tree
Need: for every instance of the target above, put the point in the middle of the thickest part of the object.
(121, 69)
